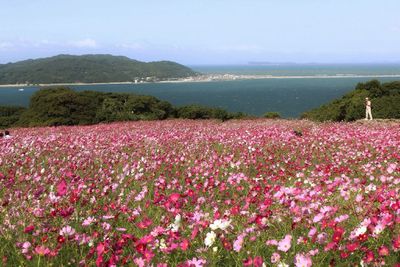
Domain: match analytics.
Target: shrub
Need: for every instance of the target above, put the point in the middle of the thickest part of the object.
(272, 115)
(64, 106)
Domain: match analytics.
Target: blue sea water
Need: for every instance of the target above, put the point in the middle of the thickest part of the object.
(290, 97)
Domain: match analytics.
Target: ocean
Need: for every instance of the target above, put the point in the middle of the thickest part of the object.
(288, 95)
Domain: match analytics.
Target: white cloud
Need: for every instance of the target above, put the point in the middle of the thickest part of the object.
(84, 43)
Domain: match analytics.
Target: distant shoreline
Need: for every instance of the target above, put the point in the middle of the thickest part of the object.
(211, 78)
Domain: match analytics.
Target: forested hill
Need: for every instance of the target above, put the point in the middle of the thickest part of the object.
(385, 98)
(89, 69)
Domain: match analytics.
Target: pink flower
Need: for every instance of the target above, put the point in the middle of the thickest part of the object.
(140, 262)
(302, 260)
(147, 239)
(275, 257)
(42, 250)
(100, 249)
(25, 247)
(145, 223)
(318, 217)
(322, 237)
(174, 197)
(285, 244)
(271, 243)
(237, 245)
(62, 188)
(341, 218)
(313, 252)
(88, 221)
(196, 262)
(184, 244)
(312, 232)
(257, 261)
(391, 168)
(67, 231)
(383, 251)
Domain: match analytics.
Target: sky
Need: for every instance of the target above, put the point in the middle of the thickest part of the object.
(196, 32)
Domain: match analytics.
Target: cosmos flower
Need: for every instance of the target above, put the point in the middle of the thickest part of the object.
(302, 260)
(285, 244)
(67, 231)
(210, 239)
(138, 193)
(220, 224)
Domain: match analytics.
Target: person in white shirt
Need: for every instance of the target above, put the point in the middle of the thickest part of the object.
(7, 135)
(368, 112)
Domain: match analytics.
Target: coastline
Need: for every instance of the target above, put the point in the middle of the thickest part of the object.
(210, 78)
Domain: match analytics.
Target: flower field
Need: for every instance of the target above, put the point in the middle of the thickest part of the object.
(201, 193)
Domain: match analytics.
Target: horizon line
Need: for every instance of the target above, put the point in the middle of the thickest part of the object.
(248, 63)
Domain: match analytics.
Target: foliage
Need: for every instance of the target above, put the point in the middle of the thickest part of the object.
(272, 115)
(384, 97)
(64, 106)
(200, 112)
(9, 115)
(89, 69)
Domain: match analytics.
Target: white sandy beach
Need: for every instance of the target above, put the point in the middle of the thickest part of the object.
(213, 78)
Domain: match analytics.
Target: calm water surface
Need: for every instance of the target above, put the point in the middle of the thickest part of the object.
(290, 97)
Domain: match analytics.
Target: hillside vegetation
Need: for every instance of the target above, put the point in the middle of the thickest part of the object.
(89, 69)
(64, 106)
(385, 100)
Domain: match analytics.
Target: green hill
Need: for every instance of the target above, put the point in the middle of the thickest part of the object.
(385, 100)
(89, 69)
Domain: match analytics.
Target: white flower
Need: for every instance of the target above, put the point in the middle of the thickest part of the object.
(162, 244)
(358, 231)
(220, 224)
(177, 223)
(369, 188)
(282, 264)
(361, 230)
(210, 238)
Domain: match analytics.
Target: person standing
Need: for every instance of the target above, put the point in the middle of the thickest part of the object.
(368, 112)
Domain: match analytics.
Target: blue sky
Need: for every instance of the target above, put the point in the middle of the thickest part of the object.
(204, 31)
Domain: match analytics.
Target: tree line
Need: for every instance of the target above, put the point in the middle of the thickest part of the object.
(64, 106)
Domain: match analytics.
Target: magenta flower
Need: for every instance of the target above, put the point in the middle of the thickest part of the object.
(62, 188)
